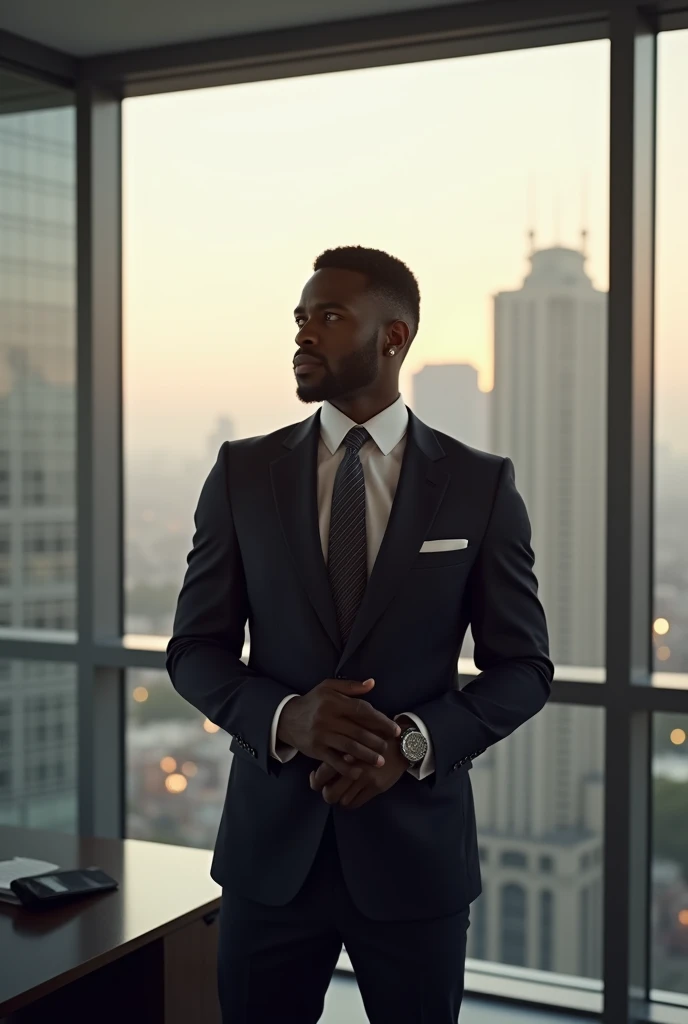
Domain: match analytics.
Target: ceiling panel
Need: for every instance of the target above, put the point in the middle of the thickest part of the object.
(84, 28)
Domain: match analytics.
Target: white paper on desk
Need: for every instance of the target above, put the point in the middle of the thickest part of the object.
(21, 867)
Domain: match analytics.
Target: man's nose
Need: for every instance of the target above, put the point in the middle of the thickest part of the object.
(307, 336)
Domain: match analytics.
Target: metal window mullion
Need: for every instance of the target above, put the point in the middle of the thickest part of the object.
(99, 459)
(629, 515)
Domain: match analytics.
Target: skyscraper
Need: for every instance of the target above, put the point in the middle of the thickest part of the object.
(548, 415)
(539, 794)
(446, 396)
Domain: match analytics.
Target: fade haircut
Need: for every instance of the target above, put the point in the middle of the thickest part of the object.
(387, 277)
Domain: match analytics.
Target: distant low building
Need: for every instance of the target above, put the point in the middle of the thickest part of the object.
(224, 431)
(446, 396)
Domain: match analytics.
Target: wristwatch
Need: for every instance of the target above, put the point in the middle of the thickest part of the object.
(413, 743)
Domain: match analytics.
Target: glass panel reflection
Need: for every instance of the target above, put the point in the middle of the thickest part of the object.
(37, 356)
(670, 621)
(177, 765)
(38, 745)
(670, 861)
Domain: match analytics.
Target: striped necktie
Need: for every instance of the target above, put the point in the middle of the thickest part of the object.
(347, 560)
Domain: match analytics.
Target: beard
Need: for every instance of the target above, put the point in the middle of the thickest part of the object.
(356, 371)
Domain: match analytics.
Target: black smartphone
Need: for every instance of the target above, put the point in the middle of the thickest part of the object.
(59, 886)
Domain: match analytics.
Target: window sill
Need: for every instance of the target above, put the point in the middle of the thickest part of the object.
(521, 985)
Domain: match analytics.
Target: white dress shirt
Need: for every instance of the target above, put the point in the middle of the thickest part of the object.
(381, 460)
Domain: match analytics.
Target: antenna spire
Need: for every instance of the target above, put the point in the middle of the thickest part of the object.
(584, 216)
(557, 220)
(531, 213)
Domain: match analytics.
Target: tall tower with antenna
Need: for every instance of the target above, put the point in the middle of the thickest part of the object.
(541, 830)
(548, 414)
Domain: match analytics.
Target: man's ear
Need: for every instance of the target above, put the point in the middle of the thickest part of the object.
(399, 337)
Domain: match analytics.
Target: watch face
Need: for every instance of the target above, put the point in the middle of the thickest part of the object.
(415, 746)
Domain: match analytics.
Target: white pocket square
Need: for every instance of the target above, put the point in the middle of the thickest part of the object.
(443, 545)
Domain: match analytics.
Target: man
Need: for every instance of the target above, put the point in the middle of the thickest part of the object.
(358, 545)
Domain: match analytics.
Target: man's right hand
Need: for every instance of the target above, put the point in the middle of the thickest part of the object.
(332, 720)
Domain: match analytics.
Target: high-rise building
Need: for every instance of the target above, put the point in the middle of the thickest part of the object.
(446, 396)
(539, 794)
(37, 455)
(548, 414)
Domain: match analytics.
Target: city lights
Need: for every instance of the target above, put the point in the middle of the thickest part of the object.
(168, 764)
(663, 653)
(661, 627)
(175, 783)
(683, 918)
(140, 694)
(210, 726)
(677, 737)
(189, 769)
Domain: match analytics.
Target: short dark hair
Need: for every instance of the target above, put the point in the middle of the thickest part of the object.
(387, 276)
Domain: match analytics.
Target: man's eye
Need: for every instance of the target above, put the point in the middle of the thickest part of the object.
(299, 320)
(334, 315)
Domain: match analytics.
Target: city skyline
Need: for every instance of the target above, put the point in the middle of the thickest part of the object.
(220, 234)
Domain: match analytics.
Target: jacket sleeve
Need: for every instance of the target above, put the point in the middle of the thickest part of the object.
(204, 654)
(511, 642)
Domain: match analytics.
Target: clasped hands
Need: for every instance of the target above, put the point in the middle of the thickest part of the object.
(331, 723)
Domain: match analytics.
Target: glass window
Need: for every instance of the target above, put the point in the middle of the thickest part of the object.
(37, 355)
(513, 859)
(177, 765)
(38, 745)
(49, 552)
(539, 801)
(208, 329)
(670, 621)
(546, 930)
(670, 861)
(514, 925)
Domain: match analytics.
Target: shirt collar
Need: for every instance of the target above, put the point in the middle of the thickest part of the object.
(386, 429)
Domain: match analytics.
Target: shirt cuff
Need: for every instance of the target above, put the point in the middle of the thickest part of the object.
(426, 767)
(281, 751)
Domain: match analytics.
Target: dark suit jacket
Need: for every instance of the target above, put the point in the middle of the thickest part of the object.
(410, 852)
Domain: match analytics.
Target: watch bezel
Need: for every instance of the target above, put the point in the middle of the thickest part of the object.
(412, 729)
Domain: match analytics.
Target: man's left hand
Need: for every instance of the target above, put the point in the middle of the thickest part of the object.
(337, 789)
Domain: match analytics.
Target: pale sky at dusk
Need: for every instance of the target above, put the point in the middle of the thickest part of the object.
(231, 193)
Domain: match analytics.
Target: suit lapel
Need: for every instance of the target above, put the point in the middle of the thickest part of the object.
(294, 477)
(418, 496)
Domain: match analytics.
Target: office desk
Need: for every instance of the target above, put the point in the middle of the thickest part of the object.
(145, 953)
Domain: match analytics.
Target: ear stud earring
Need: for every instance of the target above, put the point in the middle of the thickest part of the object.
(391, 351)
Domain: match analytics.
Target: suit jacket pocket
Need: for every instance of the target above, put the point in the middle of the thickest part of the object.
(443, 559)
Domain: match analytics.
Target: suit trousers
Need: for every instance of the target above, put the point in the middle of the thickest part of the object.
(275, 962)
